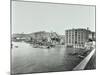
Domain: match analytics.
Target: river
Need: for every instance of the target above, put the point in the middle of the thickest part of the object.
(26, 59)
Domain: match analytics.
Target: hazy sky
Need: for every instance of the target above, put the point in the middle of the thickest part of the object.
(30, 17)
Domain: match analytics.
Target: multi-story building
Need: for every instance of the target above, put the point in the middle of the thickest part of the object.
(92, 36)
(76, 38)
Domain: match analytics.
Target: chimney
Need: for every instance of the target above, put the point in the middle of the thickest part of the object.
(87, 28)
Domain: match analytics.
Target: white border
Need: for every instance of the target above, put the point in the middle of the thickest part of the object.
(5, 36)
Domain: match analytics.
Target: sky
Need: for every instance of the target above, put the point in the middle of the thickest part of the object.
(29, 17)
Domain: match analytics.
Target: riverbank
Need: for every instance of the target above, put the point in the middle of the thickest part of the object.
(27, 59)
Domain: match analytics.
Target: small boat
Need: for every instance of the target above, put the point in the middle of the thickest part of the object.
(80, 56)
(16, 46)
(48, 47)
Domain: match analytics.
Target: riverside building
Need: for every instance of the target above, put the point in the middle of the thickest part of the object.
(76, 38)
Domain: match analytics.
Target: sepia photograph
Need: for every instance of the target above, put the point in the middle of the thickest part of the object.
(52, 37)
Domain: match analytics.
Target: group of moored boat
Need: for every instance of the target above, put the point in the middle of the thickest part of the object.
(36, 46)
(47, 47)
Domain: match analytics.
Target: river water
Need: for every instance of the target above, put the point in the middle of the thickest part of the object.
(26, 59)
